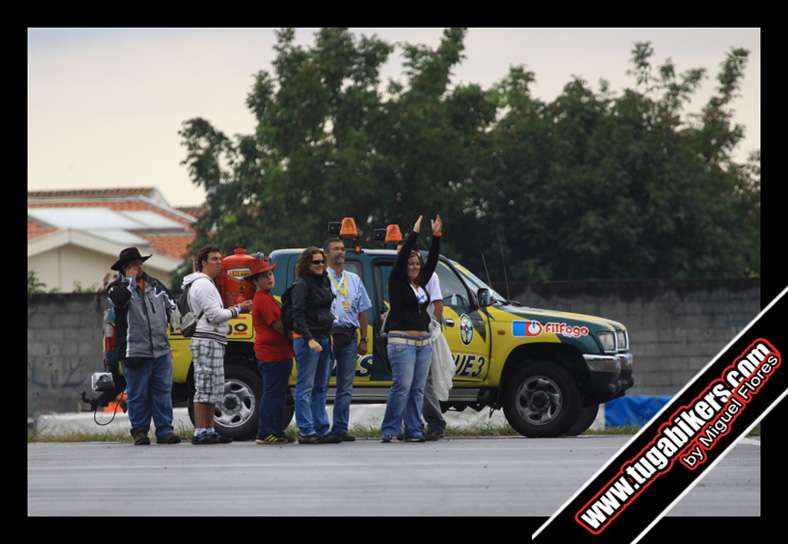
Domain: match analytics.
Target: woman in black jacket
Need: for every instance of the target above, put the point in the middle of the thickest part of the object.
(312, 321)
(407, 326)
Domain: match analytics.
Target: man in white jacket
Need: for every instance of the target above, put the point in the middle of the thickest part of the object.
(209, 342)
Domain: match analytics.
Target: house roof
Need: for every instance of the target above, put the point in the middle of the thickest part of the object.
(194, 211)
(175, 245)
(168, 230)
(117, 205)
(95, 193)
(34, 229)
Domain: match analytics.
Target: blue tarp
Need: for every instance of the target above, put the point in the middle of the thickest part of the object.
(633, 411)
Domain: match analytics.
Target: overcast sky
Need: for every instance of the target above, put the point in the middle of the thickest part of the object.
(105, 105)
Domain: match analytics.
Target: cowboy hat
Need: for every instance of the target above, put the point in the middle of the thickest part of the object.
(259, 266)
(126, 256)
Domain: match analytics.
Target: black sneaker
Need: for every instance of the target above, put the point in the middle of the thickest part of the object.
(308, 439)
(346, 437)
(223, 439)
(205, 438)
(386, 438)
(432, 436)
(271, 439)
(169, 438)
(331, 438)
(140, 437)
(415, 438)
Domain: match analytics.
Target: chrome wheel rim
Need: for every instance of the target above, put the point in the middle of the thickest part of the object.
(539, 400)
(238, 404)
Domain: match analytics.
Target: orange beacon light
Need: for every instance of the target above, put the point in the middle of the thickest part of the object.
(393, 234)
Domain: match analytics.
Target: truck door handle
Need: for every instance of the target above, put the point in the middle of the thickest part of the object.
(449, 322)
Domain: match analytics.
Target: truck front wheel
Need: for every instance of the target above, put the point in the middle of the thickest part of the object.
(541, 399)
(584, 420)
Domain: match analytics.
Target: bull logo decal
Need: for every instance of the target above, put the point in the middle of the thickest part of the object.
(466, 329)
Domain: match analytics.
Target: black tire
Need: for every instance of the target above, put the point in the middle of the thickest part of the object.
(584, 420)
(541, 399)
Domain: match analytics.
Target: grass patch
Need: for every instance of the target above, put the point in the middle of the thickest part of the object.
(359, 431)
(80, 437)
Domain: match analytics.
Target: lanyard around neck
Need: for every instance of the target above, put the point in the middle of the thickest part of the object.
(342, 289)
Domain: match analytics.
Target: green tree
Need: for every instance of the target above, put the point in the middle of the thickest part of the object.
(34, 284)
(593, 184)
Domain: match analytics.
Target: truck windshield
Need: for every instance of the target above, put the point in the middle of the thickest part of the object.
(476, 284)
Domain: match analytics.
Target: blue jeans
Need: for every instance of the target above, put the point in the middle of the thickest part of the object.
(275, 376)
(149, 390)
(410, 366)
(313, 370)
(346, 371)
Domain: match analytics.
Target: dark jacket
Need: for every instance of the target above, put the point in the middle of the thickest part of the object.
(312, 298)
(140, 318)
(406, 313)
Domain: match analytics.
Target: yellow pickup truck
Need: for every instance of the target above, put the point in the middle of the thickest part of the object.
(548, 370)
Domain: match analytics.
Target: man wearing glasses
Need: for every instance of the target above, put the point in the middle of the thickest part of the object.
(351, 303)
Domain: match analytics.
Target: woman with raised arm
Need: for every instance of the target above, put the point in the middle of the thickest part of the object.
(407, 326)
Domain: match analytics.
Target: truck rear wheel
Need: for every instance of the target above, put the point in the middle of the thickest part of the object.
(541, 399)
(584, 420)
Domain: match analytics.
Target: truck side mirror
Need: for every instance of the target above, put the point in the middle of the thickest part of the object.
(484, 297)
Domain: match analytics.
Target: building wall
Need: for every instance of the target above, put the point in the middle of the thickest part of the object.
(62, 267)
(63, 350)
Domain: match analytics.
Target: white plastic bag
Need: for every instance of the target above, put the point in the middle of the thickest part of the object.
(442, 366)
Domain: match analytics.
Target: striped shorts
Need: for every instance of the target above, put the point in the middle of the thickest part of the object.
(208, 360)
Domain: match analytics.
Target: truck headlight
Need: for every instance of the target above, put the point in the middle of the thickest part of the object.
(608, 341)
(623, 340)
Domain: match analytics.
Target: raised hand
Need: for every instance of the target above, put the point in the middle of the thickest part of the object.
(437, 225)
(417, 225)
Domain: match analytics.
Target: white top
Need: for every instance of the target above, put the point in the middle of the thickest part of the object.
(434, 290)
(421, 296)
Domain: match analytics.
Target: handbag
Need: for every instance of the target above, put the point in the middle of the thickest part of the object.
(343, 337)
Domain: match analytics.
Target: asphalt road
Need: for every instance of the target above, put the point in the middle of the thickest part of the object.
(453, 477)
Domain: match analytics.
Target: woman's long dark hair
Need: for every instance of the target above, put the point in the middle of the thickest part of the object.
(304, 261)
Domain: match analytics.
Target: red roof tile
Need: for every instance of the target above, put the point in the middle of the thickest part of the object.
(114, 205)
(194, 211)
(176, 246)
(34, 230)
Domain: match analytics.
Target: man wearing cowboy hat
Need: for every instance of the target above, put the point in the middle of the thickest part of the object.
(273, 351)
(143, 306)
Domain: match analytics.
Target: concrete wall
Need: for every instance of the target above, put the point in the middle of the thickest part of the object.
(675, 328)
(63, 350)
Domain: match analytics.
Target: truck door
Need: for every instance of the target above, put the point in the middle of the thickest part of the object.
(467, 330)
